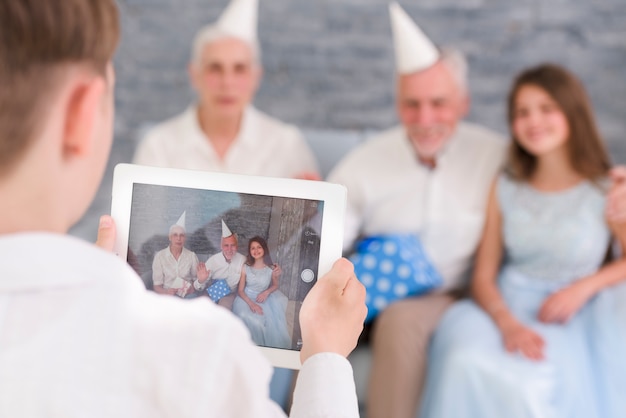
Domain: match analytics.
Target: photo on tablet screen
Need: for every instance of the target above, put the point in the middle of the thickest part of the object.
(267, 246)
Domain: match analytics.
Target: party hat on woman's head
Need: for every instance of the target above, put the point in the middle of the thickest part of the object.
(414, 51)
(240, 19)
(225, 230)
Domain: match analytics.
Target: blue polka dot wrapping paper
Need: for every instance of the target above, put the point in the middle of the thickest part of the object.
(392, 267)
(218, 290)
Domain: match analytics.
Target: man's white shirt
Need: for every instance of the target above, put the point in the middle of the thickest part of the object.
(220, 268)
(389, 191)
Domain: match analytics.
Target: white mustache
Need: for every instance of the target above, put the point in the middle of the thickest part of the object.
(422, 131)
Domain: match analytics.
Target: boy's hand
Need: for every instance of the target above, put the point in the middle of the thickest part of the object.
(106, 233)
(333, 312)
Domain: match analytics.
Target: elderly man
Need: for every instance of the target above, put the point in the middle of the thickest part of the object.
(430, 176)
(225, 265)
(223, 131)
(174, 268)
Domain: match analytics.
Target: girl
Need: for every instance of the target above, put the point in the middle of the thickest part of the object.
(259, 303)
(545, 339)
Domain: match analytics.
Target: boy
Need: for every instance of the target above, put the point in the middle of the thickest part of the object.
(79, 335)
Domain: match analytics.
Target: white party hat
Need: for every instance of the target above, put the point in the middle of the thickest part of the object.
(225, 230)
(181, 221)
(180, 224)
(414, 51)
(240, 19)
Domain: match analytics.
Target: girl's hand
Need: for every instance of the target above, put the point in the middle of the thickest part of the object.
(256, 309)
(562, 305)
(262, 296)
(518, 337)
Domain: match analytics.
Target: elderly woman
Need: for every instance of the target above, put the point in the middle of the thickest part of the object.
(175, 268)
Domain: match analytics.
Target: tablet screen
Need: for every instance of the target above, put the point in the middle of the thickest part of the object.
(252, 245)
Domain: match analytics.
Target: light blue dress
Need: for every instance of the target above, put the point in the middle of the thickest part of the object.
(270, 328)
(550, 240)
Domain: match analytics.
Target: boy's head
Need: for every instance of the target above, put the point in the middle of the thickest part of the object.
(56, 105)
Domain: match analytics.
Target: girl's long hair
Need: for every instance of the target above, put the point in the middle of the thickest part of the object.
(586, 149)
(267, 259)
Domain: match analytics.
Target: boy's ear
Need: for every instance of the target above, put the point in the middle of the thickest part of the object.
(84, 107)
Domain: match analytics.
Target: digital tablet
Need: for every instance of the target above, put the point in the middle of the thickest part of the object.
(177, 229)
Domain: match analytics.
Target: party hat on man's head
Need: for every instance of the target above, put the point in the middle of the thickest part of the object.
(225, 230)
(414, 51)
(240, 19)
(181, 221)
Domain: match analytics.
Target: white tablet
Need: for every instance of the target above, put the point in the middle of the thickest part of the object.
(198, 215)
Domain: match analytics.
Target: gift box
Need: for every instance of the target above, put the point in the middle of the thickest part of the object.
(218, 290)
(393, 267)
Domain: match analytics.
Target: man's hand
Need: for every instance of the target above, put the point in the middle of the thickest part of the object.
(276, 271)
(106, 233)
(202, 272)
(332, 314)
(616, 198)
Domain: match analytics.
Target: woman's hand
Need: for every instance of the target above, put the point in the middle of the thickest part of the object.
(518, 337)
(188, 290)
(262, 297)
(562, 305)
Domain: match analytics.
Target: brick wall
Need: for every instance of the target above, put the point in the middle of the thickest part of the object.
(329, 63)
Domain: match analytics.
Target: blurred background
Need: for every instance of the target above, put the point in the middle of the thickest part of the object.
(329, 64)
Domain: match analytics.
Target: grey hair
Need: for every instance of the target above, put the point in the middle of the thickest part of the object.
(175, 227)
(234, 236)
(211, 33)
(456, 62)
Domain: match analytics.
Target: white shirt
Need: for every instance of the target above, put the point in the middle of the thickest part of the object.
(389, 191)
(265, 146)
(81, 337)
(219, 268)
(166, 268)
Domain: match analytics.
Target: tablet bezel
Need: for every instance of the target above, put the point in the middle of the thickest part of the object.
(331, 234)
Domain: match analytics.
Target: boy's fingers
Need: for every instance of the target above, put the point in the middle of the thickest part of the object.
(106, 233)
